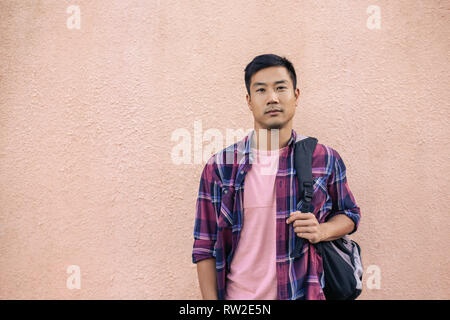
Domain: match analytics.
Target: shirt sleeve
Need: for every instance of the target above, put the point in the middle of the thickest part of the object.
(342, 198)
(205, 227)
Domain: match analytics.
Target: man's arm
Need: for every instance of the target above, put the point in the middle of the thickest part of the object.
(205, 229)
(344, 217)
(206, 270)
(335, 228)
(306, 226)
(343, 202)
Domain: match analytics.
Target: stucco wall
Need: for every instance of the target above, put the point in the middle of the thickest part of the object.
(88, 116)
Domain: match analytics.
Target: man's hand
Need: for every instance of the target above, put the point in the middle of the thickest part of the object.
(306, 226)
(206, 270)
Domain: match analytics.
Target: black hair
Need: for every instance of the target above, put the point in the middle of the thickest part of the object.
(265, 61)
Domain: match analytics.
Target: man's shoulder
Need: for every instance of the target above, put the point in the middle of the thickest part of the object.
(229, 154)
(220, 165)
(324, 150)
(324, 159)
(321, 150)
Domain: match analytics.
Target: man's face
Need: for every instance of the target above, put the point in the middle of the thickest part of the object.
(272, 89)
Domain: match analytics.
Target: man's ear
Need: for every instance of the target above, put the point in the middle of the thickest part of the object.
(297, 94)
(248, 101)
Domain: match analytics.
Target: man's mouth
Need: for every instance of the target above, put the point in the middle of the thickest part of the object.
(273, 112)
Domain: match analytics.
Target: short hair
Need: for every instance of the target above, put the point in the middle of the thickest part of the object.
(265, 61)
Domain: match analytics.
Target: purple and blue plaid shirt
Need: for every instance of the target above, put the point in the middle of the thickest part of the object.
(219, 213)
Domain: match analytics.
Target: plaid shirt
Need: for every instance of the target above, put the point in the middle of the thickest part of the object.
(219, 213)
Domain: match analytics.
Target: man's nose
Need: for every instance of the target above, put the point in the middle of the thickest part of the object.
(273, 96)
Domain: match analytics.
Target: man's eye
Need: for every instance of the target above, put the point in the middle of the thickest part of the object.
(264, 89)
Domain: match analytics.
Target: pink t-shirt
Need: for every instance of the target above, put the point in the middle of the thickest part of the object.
(253, 273)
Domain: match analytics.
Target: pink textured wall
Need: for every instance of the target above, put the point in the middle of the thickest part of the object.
(88, 115)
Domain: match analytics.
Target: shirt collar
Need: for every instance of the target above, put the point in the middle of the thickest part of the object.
(249, 142)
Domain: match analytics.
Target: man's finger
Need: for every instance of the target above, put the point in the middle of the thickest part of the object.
(307, 236)
(304, 223)
(305, 230)
(300, 216)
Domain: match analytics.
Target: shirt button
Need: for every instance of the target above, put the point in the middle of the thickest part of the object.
(242, 172)
(225, 191)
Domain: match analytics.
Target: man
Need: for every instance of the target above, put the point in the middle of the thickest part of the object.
(244, 236)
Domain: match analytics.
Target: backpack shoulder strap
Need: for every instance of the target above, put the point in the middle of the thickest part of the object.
(303, 151)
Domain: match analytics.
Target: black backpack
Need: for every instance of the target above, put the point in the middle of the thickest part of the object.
(342, 265)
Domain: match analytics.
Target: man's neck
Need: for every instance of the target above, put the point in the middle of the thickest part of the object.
(268, 140)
